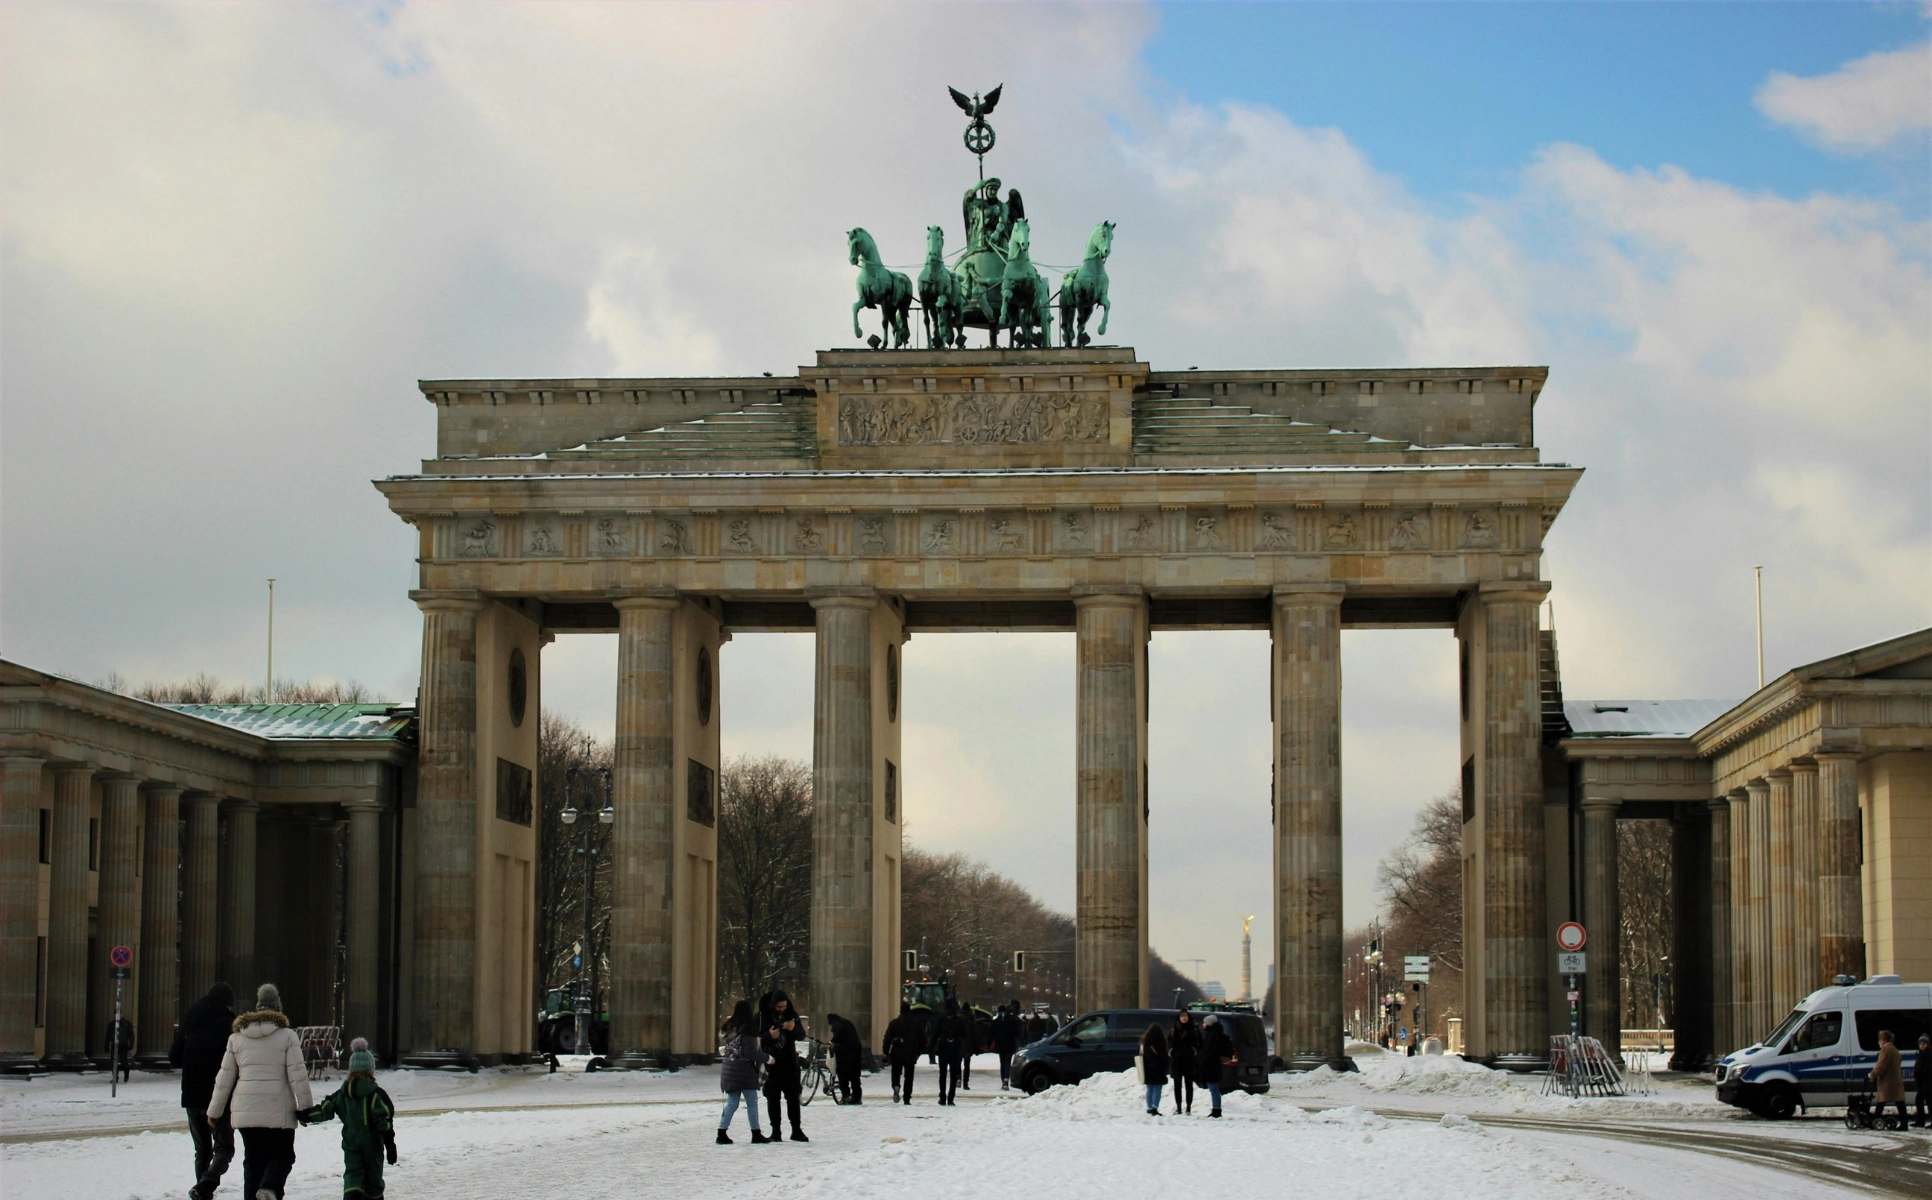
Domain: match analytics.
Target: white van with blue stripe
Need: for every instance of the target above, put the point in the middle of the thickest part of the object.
(1821, 1054)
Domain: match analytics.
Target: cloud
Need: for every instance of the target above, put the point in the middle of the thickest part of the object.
(1863, 106)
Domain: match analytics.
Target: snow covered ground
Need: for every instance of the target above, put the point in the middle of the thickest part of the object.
(521, 1132)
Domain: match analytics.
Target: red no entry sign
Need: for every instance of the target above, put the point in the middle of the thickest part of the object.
(121, 956)
(1570, 937)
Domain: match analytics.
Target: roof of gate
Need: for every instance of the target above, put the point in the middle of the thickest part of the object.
(1642, 718)
(309, 722)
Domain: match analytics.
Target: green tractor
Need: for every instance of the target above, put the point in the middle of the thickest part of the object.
(557, 1025)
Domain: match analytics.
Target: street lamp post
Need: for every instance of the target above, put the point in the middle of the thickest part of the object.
(586, 999)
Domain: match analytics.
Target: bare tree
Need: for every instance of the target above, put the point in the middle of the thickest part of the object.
(1421, 883)
(562, 744)
(764, 876)
(207, 688)
(1644, 932)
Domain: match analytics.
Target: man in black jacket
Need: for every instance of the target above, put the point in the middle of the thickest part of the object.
(904, 1039)
(847, 1055)
(1006, 1039)
(199, 1043)
(950, 1034)
(783, 1031)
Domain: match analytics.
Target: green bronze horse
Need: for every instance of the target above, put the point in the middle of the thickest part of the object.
(940, 296)
(880, 288)
(1025, 301)
(1086, 289)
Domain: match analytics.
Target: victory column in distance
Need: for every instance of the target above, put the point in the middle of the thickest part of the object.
(995, 284)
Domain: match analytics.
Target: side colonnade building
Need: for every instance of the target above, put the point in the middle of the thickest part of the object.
(246, 843)
(876, 495)
(1801, 831)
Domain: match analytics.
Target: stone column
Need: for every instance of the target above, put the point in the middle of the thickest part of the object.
(1516, 950)
(238, 900)
(1804, 874)
(1841, 905)
(842, 813)
(1744, 1017)
(361, 933)
(641, 837)
(1307, 678)
(1602, 916)
(1110, 814)
(1690, 960)
(1784, 974)
(20, 784)
(320, 931)
(118, 907)
(157, 966)
(1723, 1039)
(1763, 1002)
(442, 1020)
(66, 1039)
(200, 859)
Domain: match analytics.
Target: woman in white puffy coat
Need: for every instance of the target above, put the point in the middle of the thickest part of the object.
(263, 1083)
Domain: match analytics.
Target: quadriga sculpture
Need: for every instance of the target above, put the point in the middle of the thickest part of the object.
(1025, 299)
(886, 290)
(941, 298)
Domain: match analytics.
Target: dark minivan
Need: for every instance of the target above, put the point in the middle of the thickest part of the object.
(1109, 1040)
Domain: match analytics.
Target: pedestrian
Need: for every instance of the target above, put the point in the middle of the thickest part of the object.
(1217, 1053)
(904, 1039)
(847, 1052)
(1184, 1053)
(783, 1031)
(949, 1041)
(265, 1082)
(1153, 1062)
(199, 1042)
(1006, 1040)
(1887, 1076)
(1921, 1068)
(744, 1056)
(368, 1119)
(979, 1036)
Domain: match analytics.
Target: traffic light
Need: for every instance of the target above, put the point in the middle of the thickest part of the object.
(911, 960)
(1019, 961)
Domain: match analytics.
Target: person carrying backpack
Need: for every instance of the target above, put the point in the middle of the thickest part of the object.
(368, 1119)
(950, 1034)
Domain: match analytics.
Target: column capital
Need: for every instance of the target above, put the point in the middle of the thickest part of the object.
(1835, 756)
(1758, 788)
(352, 807)
(650, 600)
(1737, 796)
(1106, 593)
(22, 760)
(159, 786)
(1311, 594)
(1526, 591)
(1600, 803)
(197, 796)
(1721, 804)
(1803, 768)
(1778, 775)
(235, 805)
(842, 597)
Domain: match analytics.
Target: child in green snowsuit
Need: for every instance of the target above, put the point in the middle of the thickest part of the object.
(368, 1124)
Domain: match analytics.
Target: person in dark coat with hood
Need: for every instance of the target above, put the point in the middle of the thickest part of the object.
(1217, 1053)
(848, 1053)
(740, 1065)
(784, 1029)
(199, 1042)
(1184, 1052)
(905, 1037)
(951, 1036)
(1006, 1040)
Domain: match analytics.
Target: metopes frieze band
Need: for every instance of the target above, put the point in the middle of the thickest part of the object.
(986, 420)
(968, 532)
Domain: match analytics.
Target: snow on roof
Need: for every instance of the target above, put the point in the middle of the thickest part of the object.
(1642, 718)
(375, 722)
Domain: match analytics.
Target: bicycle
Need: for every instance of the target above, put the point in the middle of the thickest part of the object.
(814, 1075)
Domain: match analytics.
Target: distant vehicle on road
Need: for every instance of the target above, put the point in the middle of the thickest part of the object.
(1107, 1040)
(1819, 1055)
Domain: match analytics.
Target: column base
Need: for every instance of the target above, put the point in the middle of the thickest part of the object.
(643, 1060)
(1520, 1064)
(20, 1062)
(152, 1060)
(1309, 1062)
(74, 1061)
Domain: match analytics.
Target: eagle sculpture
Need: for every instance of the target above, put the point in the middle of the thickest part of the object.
(973, 106)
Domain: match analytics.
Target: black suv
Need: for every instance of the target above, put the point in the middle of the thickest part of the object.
(1108, 1041)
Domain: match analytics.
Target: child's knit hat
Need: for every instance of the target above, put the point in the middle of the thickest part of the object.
(359, 1057)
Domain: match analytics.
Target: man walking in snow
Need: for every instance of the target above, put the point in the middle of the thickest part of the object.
(904, 1039)
(199, 1042)
(783, 1031)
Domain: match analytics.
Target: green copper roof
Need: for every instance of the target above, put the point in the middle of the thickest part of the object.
(363, 722)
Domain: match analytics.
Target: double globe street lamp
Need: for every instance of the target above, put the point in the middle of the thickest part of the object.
(571, 815)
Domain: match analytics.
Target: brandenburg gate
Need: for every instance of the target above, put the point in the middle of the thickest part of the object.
(879, 494)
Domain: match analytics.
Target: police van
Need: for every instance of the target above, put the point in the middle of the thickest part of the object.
(1820, 1055)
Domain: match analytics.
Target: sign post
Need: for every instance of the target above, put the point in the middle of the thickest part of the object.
(1415, 971)
(120, 963)
(1570, 939)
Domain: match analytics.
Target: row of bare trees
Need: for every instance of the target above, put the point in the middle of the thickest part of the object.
(207, 688)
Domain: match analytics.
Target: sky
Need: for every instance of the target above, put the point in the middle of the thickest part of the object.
(232, 238)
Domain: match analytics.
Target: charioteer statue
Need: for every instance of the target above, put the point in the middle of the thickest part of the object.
(995, 285)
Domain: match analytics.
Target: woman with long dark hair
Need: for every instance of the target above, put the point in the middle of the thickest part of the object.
(738, 1074)
(1153, 1066)
(1184, 1055)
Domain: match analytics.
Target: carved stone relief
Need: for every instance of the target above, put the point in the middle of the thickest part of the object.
(1408, 532)
(1144, 533)
(673, 538)
(808, 538)
(974, 419)
(1277, 531)
(738, 536)
(1479, 531)
(479, 540)
(1207, 533)
(872, 535)
(1073, 527)
(543, 543)
(942, 537)
(1341, 532)
(1009, 537)
(611, 538)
